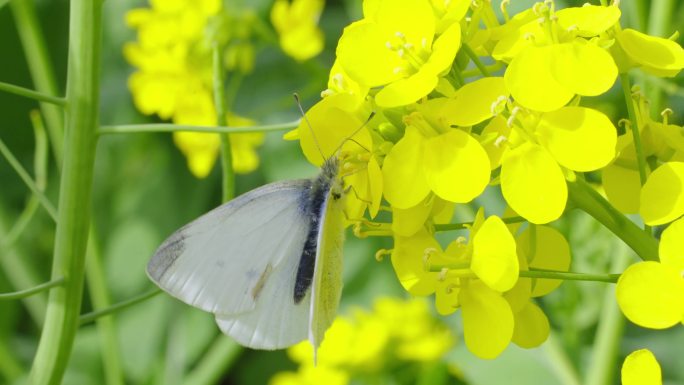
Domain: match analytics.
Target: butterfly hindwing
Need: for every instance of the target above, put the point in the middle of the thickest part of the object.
(229, 258)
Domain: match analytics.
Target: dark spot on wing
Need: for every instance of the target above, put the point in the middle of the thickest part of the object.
(166, 255)
(256, 290)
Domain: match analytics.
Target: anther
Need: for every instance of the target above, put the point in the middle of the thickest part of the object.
(380, 254)
(514, 113)
(442, 274)
(499, 141)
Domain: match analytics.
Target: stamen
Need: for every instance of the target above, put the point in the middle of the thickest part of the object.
(499, 141)
(442, 274)
(511, 119)
(380, 254)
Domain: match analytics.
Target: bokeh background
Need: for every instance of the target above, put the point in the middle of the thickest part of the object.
(144, 191)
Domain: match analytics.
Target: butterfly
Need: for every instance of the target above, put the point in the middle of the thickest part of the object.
(267, 264)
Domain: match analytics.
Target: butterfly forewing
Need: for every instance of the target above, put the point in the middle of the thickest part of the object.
(227, 260)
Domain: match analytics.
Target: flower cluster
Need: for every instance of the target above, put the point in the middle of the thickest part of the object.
(394, 334)
(461, 102)
(174, 79)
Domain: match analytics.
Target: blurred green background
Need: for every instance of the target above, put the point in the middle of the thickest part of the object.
(144, 191)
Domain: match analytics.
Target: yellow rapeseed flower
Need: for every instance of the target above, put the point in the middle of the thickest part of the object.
(296, 22)
(174, 78)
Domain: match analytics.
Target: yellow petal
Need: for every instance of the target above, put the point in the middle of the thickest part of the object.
(406, 91)
(622, 186)
(531, 83)
(444, 50)
(472, 103)
(332, 120)
(495, 260)
(671, 250)
(487, 320)
(201, 151)
(519, 296)
(662, 57)
(407, 222)
(533, 184)
(404, 181)
(651, 295)
(362, 53)
(641, 368)
(375, 186)
(302, 43)
(662, 197)
(579, 138)
(583, 68)
(409, 262)
(549, 251)
(588, 20)
(456, 166)
(531, 327)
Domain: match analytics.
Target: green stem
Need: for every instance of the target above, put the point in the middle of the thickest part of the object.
(222, 353)
(609, 332)
(570, 276)
(31, 94)
(99, 295)
(561, 363)
(76, 185)
(465, 272)
(478, 63)
(10, 367)
(590, 201)
(641, 158)
(34, 290)
(465, 225)
(40, 162)
(227, 172)
(21, 273)
(169, 127)
(41, 69)
(24, 175)
(93, 315)
(659, 24)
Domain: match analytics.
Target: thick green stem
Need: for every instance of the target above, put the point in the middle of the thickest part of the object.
(74, 207)
(227, 172)
(609, 333)
(41, 70)
(168, 127)
(590, 201)
(99, 295)
(222, 353)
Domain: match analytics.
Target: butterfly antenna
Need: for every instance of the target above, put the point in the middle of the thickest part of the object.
(313, 134)
(350, 137)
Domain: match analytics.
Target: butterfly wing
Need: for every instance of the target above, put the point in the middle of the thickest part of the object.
(327, 280)
(240, 258)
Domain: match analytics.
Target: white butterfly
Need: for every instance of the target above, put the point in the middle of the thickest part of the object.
(268, 264)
